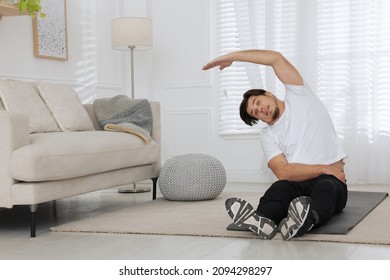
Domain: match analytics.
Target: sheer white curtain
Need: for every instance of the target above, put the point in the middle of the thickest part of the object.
(342, 48)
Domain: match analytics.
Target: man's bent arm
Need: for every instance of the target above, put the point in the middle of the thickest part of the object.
(300, 172)
(283, 69)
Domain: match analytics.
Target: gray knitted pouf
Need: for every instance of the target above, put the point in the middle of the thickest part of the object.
(192, 177)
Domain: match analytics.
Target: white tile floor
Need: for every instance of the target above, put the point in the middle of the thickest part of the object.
(16, 244)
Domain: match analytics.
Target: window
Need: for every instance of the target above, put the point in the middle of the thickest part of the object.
(233, 80)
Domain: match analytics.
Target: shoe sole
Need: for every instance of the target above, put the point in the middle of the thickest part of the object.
(245, 217)
(296, 215)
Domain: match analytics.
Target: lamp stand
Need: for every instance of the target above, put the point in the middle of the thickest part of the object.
(134, 189)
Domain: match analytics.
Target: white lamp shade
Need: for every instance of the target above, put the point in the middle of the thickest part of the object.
(129, 32)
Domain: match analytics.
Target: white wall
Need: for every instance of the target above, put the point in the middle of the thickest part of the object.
(93, 67)
(184, 40)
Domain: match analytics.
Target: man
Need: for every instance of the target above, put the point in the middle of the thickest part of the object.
(302, 150)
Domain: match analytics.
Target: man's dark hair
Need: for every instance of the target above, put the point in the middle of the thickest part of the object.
(248, 119)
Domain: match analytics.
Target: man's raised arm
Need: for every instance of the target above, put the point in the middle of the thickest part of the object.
(283, 69)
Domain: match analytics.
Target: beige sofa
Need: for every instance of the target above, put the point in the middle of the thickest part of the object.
(52, 147)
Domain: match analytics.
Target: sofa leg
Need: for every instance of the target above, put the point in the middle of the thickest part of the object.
(154, 188)
(55, 216)
(33, 210)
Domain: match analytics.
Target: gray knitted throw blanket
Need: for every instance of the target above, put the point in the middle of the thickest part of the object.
(122, 114)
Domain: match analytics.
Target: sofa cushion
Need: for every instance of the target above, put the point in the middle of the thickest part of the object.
(66, 107)
(58, 155)
(23, 97)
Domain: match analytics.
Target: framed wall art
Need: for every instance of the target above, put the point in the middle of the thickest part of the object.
(50, 33)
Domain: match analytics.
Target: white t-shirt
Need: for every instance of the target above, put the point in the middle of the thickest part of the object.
(304, 133)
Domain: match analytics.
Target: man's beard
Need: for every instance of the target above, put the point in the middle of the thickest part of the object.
(276, 111)
(276, 114)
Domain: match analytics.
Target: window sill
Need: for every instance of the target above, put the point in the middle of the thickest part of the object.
(240, 134)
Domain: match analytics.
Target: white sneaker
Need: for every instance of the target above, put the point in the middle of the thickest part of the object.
(245, 217)
(299, 218)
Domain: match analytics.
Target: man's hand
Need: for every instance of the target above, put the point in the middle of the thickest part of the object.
(221, 61)
(336, 172)
(301, 172)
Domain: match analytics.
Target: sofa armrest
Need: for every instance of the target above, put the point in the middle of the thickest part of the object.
(89, 108)
(156, 128)
(14, 134)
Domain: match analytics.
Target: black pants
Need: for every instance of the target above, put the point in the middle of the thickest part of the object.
(328, 194)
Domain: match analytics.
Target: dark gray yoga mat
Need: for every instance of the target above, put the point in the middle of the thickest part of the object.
(359, 205)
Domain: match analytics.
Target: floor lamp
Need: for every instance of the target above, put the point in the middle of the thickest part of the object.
(132, 34)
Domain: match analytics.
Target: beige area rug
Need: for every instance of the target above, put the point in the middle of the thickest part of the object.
(209, 218)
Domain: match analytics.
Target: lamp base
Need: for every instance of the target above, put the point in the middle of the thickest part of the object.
(134, 189)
